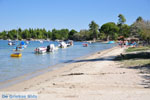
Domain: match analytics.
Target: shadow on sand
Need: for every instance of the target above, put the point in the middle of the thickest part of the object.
(141, 55)
(109, 58)
(144, 69)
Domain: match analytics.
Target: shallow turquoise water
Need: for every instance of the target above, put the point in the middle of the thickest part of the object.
(30, 62)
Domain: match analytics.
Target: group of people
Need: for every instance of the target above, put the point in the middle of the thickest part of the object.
(127, 43)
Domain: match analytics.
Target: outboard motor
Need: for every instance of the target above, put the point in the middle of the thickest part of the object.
(48, 48)
(52, 47)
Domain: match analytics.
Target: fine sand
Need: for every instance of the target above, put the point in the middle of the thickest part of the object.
(96, 77)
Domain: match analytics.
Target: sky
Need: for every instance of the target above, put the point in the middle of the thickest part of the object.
(70, 14)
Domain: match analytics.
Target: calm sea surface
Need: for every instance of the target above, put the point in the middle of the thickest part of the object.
(30, 62)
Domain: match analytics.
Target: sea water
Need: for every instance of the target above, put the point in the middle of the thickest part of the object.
(30, 62)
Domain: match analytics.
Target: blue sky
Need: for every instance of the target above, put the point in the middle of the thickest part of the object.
(71, 14)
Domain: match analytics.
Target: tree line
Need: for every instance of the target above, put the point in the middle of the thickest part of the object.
(108, 31)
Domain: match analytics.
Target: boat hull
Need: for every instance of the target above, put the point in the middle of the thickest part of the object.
(16, 55)
(40, 50)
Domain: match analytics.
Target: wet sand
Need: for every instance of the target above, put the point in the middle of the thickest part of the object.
(96, 77)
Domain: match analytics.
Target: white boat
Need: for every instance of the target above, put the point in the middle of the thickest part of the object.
(56, 48)
(11, 43)
(40, 50)
(69, 43)
(27, 42)
(51, 48)
(9, 40)
(23, 44)
(40, 41)
(62, 45)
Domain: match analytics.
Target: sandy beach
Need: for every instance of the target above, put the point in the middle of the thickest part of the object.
(96, 77)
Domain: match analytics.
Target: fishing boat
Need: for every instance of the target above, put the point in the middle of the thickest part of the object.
(16, 55)
(40, 50)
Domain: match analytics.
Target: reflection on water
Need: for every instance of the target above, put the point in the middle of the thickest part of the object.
(30, 62)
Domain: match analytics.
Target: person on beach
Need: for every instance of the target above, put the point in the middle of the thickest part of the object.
(16, 48)
(126, 43)
(121, 43)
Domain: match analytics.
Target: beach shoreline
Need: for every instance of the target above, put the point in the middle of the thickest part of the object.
(28, 76)
(96, 77)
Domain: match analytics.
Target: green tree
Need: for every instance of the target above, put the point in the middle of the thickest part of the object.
(26, 34)
(125, 30)
(121, 22)
(12, 34)
(49, 34)
(55, 34)
(33, 34)
(44, 33)
(135, 28)
(3, 35)
(93, 28)
(141, 29)
(139, 19)
(145, 31)
(39, 35)
(71, 34)
(77, 37)
(64, 34)
(85, 34)
(110, 29)
(102, 36)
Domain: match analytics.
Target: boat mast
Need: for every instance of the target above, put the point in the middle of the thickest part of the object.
(17, 35)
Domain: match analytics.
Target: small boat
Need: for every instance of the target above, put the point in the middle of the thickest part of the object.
(11, 43)
(110, 42)
(27, 42)
(40, 50)
(40, 41)
(62, 45)
(16, 55)
(85, 45)
(51, 48)
(56, 48)
(9, 40)
(69, 43)
(23, 44)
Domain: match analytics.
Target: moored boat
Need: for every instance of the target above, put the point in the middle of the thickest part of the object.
(40, 50)
(23, 44)
(11, 43)
(69, 43)
(62, 44)
(110, 42)
(16, 55)
(85, 45)
(40, 41)
(51, 48)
